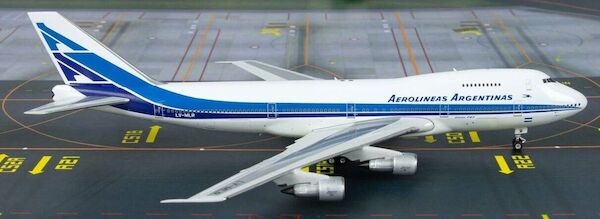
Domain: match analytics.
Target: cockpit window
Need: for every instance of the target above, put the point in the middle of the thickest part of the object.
(549, 80)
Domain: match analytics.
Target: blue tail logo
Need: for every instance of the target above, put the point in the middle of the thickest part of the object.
(71, 71)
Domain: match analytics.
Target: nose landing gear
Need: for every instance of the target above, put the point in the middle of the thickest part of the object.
(518, 142)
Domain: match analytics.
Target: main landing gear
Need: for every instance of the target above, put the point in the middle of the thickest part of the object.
(518, 142)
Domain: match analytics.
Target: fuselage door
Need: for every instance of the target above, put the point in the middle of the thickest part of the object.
(271, 110)
(518, 109)
(350, 110)
(444, 110)
(159, 111)
(528, 85)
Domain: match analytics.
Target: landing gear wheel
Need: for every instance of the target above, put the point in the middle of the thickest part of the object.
(518, 143)
(337, 160)
(518, 146)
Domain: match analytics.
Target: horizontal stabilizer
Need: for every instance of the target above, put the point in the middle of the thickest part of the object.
(74, 104)
(268, 72)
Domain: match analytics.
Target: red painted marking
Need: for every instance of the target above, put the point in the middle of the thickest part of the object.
(210, 54)
(412, 14)
(10, 34)
(187, 49)
(424, 52)
(399, 54)
(198, 16)
(564, 214)
(67, 213)
(156, 214)
(426, 215)
(474, 15)
(21, 213)
(512, 12)
(336, 215)
(142, 15)
(249, 215)
(294, 216)
(471, 215)
(111, 214)
(201, 214)
(106, 15)
(517, 215)
(381, 16)
(381, 215)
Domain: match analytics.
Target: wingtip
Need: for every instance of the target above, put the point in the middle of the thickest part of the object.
(194, 200)
(33, 112)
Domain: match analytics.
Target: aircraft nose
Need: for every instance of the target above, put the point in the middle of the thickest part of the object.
(582, 100)
(579, 99)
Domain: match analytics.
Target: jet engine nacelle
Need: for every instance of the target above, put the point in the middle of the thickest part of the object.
(404, 164)
(331, 189)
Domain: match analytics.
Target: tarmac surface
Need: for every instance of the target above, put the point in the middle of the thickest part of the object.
(89, 164)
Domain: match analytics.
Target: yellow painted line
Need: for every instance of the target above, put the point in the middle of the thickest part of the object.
(152, 134)
(545, 216)
(504, 51)
(288, 51)
(430, 139)
(327, 71)
(39, 167)
(306, 35)
(581, 124)
(512, 38)
(306, 169)
(270, 31)
(503, 165)
(198, 48)
(411, 55)
(113, 27)
(522, 65)
(27, 99)
(474, 136)
(2, 156)
(39, 123)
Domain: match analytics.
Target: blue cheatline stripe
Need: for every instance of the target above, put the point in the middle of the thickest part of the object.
(61, 38)
(137, 105)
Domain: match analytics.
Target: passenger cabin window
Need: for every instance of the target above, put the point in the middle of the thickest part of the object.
(483, 85)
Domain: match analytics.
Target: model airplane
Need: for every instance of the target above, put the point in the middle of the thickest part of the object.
(330, 118)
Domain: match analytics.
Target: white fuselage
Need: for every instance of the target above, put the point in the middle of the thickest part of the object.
(443, 94)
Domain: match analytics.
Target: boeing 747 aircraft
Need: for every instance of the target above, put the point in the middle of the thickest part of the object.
(330, 118)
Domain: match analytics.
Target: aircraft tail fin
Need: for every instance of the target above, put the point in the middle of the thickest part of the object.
(79, 57)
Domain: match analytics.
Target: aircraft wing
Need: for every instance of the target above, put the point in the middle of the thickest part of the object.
(268, 72)
(76, 103)
(316, 146)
